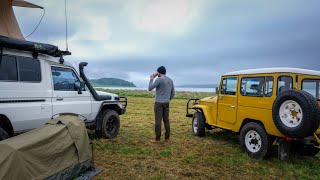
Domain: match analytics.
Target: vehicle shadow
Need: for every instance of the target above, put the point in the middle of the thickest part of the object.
(223, 135)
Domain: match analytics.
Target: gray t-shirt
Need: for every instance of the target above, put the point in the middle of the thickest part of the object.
(164, 89)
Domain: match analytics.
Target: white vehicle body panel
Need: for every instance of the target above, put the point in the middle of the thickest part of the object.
(27, 115)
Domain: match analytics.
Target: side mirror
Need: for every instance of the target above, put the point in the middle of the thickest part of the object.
(79, 86)
(82, 84)
(217, 90)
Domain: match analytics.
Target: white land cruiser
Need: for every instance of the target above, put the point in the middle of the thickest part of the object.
(36, 84)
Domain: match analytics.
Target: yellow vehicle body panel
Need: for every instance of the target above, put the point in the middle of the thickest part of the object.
(231, 111)
(209, 108)
(256, 114)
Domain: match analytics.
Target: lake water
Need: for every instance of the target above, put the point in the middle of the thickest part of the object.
(177, 89)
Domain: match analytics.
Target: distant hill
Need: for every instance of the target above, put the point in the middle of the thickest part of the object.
(199, 86)
(107, 82)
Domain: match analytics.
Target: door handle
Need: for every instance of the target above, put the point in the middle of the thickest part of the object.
(59, 99)
(233, 107)
(220, 97)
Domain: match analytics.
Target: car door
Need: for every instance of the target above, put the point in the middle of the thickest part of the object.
(65, 98)
(227, 101)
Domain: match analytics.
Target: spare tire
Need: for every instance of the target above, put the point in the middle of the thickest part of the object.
(295, 114)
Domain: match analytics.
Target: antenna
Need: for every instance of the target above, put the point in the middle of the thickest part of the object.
(66, 19)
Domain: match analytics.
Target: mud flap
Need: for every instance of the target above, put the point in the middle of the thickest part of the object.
(284, 147)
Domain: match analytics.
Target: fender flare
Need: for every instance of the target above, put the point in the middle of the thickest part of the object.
(204, 109)
(104, 106)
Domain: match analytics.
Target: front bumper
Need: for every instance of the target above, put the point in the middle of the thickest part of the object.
(123, 111)
(124, 102)
(195, 101)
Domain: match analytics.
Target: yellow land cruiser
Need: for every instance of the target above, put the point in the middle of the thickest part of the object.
(263, 106)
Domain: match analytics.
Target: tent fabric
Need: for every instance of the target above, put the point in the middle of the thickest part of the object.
(11, 43)
(59, 150)
(22, 3)
(9, 26)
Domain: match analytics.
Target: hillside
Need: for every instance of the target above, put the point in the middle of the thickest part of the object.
(107, 82)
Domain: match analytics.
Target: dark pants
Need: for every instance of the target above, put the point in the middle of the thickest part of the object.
(161, 112)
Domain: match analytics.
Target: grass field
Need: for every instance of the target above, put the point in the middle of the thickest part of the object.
(216, 156)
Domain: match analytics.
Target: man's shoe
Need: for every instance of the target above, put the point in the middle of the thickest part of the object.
(154, 141)
(167, 140)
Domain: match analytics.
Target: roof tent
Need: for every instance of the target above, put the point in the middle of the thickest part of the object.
(9, 26)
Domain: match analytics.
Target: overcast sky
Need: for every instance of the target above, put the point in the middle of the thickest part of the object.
(196, 40)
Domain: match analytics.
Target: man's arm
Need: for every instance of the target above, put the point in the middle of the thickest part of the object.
(154, 84)
(173, 92)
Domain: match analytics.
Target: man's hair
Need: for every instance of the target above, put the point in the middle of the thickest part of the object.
(162, 70)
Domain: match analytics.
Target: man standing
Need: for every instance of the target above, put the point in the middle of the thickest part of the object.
(164, 93)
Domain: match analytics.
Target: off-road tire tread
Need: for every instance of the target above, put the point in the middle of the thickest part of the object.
(304, 150)
(201, 124)
(3, 134)
(102, 133)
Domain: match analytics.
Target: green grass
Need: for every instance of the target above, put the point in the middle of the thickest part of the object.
(216, 156)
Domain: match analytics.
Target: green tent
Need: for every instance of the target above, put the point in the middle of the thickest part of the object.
(59, 150)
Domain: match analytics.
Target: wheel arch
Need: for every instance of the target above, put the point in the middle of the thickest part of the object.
(5, 123)
(248, 120)
(114, 107)
(203, 109)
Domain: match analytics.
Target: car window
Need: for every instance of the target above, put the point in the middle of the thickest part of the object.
(8, 68)
(29, 69)
(64, 79)
(269, 86)
(312, 87)
(252, 86)
(284, 83)
(229, 86)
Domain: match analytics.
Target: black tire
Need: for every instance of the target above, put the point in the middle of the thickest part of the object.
(3, 134)
(110, 124)
(304, 149)
(255, 141)
(198, 124)
(310, 120)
